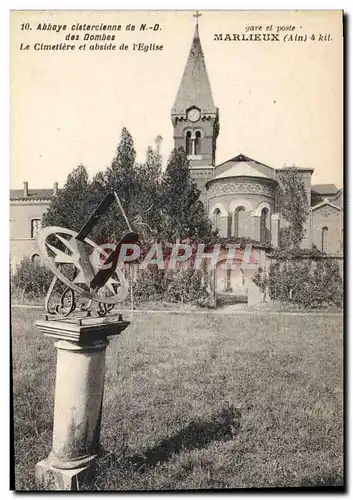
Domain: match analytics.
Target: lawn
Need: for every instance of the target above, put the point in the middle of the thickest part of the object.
(198, 401)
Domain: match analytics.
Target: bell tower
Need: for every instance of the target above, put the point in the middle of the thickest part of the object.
(195, 117)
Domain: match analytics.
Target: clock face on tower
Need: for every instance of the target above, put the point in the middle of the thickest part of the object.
(193, 114)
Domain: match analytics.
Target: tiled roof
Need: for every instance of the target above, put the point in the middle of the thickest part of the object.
(243, 158)
(324, 189)
(242, 165)
(33, 194)
(241, 169)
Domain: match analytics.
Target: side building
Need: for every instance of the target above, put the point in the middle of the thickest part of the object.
(27, 207)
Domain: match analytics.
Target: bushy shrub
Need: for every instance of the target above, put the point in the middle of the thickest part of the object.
(149, 284)
(31, 279)
(186, 285)
(152, 284)
(308, 282)
(178, 285)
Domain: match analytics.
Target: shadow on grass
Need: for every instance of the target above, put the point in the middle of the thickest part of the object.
(198, 434)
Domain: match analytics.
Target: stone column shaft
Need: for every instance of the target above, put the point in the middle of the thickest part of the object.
(78, 402)
(275, 230)
(256, 227)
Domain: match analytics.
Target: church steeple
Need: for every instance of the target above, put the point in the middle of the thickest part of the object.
(194, 114)
(195, 88)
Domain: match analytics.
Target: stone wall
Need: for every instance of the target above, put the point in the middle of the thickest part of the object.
(20, 248)
(201, 176)
(240, 278)
(328, 217)
(22, 213)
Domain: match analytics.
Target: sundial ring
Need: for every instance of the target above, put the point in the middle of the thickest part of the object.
(50, 263)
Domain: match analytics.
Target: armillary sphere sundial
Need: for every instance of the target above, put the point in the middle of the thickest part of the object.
(84, 272)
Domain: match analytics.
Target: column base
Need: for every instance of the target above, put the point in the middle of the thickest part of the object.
(50, 478)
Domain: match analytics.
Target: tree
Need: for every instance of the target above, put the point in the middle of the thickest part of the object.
(122, 177)
(138, 188)
(292, 205)
(184, 215)
(148, 219)
(71, 207)
(164, 206)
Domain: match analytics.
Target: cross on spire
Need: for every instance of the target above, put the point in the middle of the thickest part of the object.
(197, 15)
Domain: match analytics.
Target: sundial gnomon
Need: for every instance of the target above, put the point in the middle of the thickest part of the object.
(89, 273)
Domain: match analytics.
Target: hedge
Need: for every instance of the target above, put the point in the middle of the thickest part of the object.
(308, 282)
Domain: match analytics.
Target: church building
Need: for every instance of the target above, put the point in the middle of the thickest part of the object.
(239, 194)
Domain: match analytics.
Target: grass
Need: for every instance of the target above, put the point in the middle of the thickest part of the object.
(194, 402)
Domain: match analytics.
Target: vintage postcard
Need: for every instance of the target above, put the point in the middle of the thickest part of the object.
(176, 250)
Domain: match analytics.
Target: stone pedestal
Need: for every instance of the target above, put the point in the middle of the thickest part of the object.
(81, 346)
(50, 478)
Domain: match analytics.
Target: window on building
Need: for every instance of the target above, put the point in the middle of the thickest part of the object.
(198, 143)
(188, 144)
(193, 142)
(237, 221)
(216, 218)
(264, 231)
(36, 225)
(324, 239)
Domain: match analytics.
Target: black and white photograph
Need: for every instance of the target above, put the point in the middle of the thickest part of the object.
(177, 250)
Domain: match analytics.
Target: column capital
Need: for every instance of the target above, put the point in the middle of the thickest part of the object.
(83, 331)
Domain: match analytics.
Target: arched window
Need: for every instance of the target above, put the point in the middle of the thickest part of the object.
(264, 231)
(188, 143)
(324, 239)
(216, 217)
(198, 143)
(238, 221)
(36, 225)
(193, 142)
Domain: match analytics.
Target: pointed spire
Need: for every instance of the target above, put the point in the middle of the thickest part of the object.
(195, 88)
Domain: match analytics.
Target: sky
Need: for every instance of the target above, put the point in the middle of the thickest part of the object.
(279, 103)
